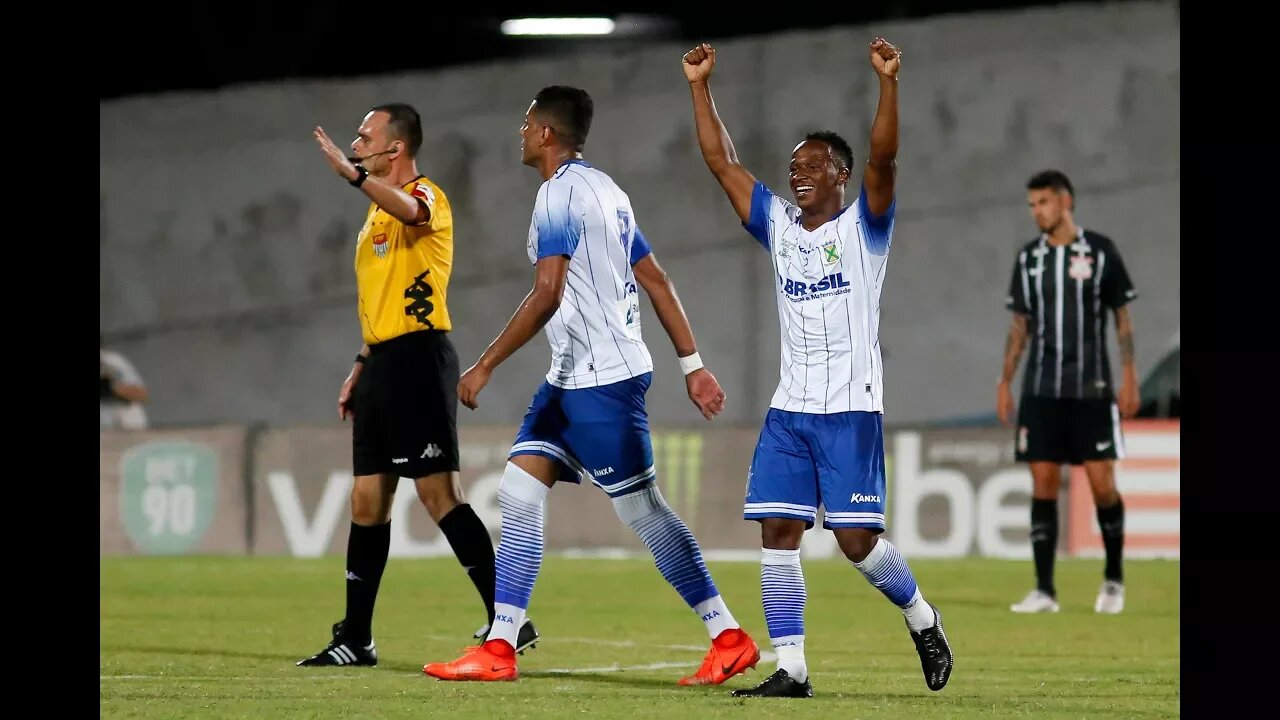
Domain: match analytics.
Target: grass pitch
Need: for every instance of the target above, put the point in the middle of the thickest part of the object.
(205, 637)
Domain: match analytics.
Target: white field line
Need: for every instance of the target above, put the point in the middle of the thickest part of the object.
(764, 657)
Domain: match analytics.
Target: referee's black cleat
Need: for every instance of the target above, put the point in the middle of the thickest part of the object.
(779, 684)
(342, 653)
(935, 653)
(527, 639)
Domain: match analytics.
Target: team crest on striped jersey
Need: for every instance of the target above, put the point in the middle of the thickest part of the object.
(380, 245)
(1081, 267)
(830, 255)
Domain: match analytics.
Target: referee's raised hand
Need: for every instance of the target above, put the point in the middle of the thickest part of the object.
(337, 159)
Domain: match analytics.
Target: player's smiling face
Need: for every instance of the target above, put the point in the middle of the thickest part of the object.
(815, 177)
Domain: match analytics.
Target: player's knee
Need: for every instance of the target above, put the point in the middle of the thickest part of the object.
(367, 508)
(781, 533)
(438, 503)
(856, 543)
(439, 494)
(519, 486)
(1105, 496)
(636, 506)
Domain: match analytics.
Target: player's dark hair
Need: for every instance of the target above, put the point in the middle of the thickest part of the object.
(840, 149)
(568, 111)
(1051, 179)
(404, 124)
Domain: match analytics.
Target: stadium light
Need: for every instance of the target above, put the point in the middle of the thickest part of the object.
(558, 26)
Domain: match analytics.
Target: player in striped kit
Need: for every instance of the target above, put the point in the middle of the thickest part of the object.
(588, 419)
(822, 438)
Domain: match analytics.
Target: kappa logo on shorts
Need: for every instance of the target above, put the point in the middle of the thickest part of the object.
(1022, 438)
(432, 451)
(860, 498)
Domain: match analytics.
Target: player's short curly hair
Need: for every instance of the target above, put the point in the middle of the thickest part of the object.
(569, 110)
(840, 149)
(1054, 179)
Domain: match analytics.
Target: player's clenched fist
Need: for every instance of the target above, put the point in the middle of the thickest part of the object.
(885, 58)
(698, 63)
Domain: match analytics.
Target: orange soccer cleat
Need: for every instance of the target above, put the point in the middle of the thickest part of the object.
(492, 661)
(732, 652)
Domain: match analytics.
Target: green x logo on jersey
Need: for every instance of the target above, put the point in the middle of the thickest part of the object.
(832, 255)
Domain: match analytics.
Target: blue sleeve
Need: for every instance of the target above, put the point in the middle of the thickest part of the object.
(639, 247)
(758, 223)
(559, 226)
(879, 227)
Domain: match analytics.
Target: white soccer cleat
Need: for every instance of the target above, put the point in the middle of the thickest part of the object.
(1110, 598)
(1036, 602)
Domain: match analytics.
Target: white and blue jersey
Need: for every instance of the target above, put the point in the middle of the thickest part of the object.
(595, 335)
(822, 440)
(590, 413)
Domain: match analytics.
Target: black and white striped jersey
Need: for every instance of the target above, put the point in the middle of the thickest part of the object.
(1065, 292)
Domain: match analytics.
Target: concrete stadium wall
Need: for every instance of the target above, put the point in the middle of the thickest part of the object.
(227, 242)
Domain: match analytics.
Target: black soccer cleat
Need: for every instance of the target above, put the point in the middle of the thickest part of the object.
(342, 653)
(526, 639)
(779, 684)
(935, 653)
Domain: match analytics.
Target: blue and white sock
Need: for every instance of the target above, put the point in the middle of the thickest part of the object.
(885, 568)
(519, 555)
(783, 594)
(676, 554)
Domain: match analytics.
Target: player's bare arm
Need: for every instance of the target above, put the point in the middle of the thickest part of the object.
(704, 389)
(883, 157)
(537, 308)
(713, 139)
(1128, 397)
(1014, 344)
(398, 203)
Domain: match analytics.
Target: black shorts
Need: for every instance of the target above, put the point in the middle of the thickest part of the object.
(406, 407)
(1068, 430)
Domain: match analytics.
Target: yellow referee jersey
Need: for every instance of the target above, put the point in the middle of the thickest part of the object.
(402, 271)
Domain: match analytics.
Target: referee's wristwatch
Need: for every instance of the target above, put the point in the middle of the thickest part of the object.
(361, 177)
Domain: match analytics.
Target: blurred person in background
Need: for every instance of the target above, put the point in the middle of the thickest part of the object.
(1064, 282)
(121, 392)
(401, 393)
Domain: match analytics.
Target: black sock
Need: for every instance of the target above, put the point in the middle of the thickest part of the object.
(474, 548)
(367, 549)
(1044, 542)
(1111, 521)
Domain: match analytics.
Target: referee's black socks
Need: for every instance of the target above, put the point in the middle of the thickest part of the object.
(474, 548)
(367, 549)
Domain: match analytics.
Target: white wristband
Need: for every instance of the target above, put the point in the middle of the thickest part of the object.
(690, 363)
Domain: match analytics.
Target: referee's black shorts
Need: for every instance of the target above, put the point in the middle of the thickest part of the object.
(406, 407)
(1068, 430)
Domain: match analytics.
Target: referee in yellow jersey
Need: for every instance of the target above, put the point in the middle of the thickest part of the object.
(401, 394)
